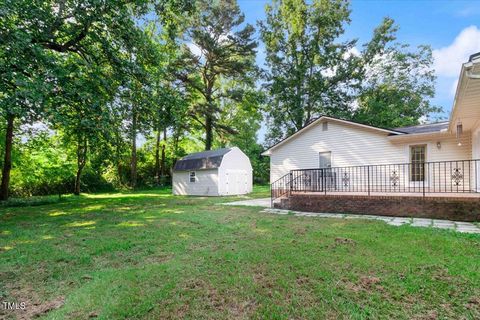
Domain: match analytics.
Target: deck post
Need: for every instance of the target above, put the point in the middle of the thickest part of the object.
(424, 177)
(271, 195)
(324, 174)
(291, 183)
(476, 176)
(368, 179)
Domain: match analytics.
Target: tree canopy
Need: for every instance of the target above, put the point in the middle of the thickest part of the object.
(97, 95)
(313, 70)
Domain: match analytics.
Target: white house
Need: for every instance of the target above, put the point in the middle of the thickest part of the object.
(218, 172)
(435, 158)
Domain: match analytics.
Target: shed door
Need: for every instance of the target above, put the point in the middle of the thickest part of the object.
(236, 181)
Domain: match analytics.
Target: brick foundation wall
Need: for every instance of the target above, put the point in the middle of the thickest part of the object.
(451, 208)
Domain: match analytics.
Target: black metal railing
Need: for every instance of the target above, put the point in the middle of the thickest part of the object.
(280, 187)
(457, 176)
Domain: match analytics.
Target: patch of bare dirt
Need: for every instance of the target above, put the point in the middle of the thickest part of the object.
(93, 314)
(33, 307)
(300, 230)
(155, 259)
(261, 279)
(36, 309)
(365, 283)
(344, 241)
(219, 301)
(473, 304)
(431, 315)
(303, 280)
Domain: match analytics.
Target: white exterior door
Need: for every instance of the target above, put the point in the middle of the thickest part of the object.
(236, 182)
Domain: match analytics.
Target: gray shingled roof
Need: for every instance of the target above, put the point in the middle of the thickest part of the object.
(202, 160)
(424, 128)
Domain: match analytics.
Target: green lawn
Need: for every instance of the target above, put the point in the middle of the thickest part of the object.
(150, 255)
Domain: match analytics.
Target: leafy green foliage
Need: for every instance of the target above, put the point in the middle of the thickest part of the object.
(64, 64)
(398, 83)
(221, 50)
(310, 72)
(126, 88)
(313, 71)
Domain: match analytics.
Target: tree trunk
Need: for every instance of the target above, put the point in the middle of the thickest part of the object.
(209, 116)
(163, 166)
(208, 131)
(133, 164)
(7, 162)
(176, 138)
(81, 161)
(158, 172)
(118, 161)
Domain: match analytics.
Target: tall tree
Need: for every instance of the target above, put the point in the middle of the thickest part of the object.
(35, 36)
(81, 111)
(137, 93)
(310, 71)
(219, 48)
(137, 112)
(398, 81)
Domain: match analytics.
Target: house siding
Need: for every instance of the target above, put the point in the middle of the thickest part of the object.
(353, 145)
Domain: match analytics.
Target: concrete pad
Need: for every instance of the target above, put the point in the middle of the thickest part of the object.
(465, 224)
(370, 217)
(465, 230)
(395, 224)
(443, 224)
(262, 202)
(276, 211)
(443, 227)
(384, 218)
(399, 221)
(331, 215)
(306, 214)
(421, 222)
(353, 216)
(465, 227)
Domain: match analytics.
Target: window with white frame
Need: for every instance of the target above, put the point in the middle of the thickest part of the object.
(325, 159)
(193, 177)
(417, 163)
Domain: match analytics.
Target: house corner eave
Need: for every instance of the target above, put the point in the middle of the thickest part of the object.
(465, 105)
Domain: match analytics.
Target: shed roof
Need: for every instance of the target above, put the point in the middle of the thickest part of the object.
(204, 160)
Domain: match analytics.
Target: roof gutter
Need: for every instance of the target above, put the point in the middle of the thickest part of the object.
(416, 136)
